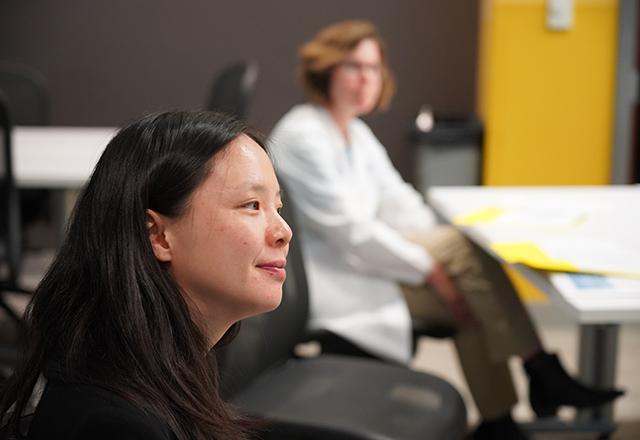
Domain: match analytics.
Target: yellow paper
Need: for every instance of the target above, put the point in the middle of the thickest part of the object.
(482, 215)
(529, 253)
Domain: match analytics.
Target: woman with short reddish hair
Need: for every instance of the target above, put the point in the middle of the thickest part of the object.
(375, 255)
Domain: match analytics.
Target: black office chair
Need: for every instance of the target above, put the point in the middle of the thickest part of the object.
(10, 238)
(233, 88)
(10, 227)
(331, 343)
(329, 397)
(26, 94)
(27, 100)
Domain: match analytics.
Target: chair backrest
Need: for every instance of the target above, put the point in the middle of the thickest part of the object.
(232, 90)
(26, 94)
(267, 340)
(10, 239)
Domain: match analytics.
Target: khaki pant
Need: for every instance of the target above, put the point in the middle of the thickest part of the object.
(503, 326)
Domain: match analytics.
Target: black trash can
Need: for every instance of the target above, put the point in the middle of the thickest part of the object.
(449, 150)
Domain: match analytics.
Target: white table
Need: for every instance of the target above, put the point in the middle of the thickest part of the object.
(608, 214)
(57, 157)
(60, 159)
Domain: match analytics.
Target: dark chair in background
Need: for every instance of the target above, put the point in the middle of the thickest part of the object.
(10, 244)
(329, 397)
(233, 88)
(27, 100)
(331, 343)
(25, 90)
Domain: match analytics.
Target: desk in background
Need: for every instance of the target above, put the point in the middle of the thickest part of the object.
(608, 214)
(60, 159)
(57, 157)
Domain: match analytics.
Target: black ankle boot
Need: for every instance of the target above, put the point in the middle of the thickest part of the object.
(550, 386)
(503, 428)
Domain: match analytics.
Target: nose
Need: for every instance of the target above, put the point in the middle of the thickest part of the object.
(279, 233)
(371, 68)
(368, 76)
(365, 73)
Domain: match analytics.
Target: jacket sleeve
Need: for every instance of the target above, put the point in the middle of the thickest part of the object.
(326, 206)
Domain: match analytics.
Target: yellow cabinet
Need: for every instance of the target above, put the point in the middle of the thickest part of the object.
(547, 96)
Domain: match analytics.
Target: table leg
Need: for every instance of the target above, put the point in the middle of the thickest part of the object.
(58, 212)
(62, 206)
(597, 364)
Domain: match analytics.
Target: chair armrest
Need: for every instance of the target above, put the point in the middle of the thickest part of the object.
(432, 329)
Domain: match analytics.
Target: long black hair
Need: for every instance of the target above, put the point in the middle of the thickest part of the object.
(108, 313)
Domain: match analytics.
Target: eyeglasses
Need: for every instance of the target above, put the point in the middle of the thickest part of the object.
(357, 67)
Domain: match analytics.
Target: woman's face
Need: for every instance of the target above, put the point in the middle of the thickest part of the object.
(355, 84)
(228, 250)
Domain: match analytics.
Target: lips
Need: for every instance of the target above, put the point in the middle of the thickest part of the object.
(274, 268)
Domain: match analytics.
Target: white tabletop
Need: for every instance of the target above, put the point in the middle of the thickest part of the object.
(57, 157)
(604, 214)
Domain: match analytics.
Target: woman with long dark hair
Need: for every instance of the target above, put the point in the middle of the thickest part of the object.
(176, 238)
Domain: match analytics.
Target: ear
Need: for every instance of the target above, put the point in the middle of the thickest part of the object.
(156, 224)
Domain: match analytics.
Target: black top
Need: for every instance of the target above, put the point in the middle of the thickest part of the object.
(82, 412)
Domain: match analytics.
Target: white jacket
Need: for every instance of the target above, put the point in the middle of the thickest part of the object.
(353, 210)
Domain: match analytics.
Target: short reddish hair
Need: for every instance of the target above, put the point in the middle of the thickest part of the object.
(318, 57)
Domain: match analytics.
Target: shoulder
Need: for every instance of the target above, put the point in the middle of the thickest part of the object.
(303, 119)
(303, 138)
(364, 139)
(74, 411)
(360, 131)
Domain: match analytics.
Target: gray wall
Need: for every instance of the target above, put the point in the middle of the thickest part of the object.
(107, 62)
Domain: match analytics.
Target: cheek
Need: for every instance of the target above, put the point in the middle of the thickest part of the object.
(241, 242)
(376, 84)
(349, 83)
(339, 85)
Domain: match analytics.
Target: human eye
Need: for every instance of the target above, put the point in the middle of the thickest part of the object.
(278, 203)
(375, 68)
(351, 66)
(252, 205)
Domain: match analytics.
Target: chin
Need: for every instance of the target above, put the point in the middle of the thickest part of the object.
(271, 301)
(366, 108)
(275, 303)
